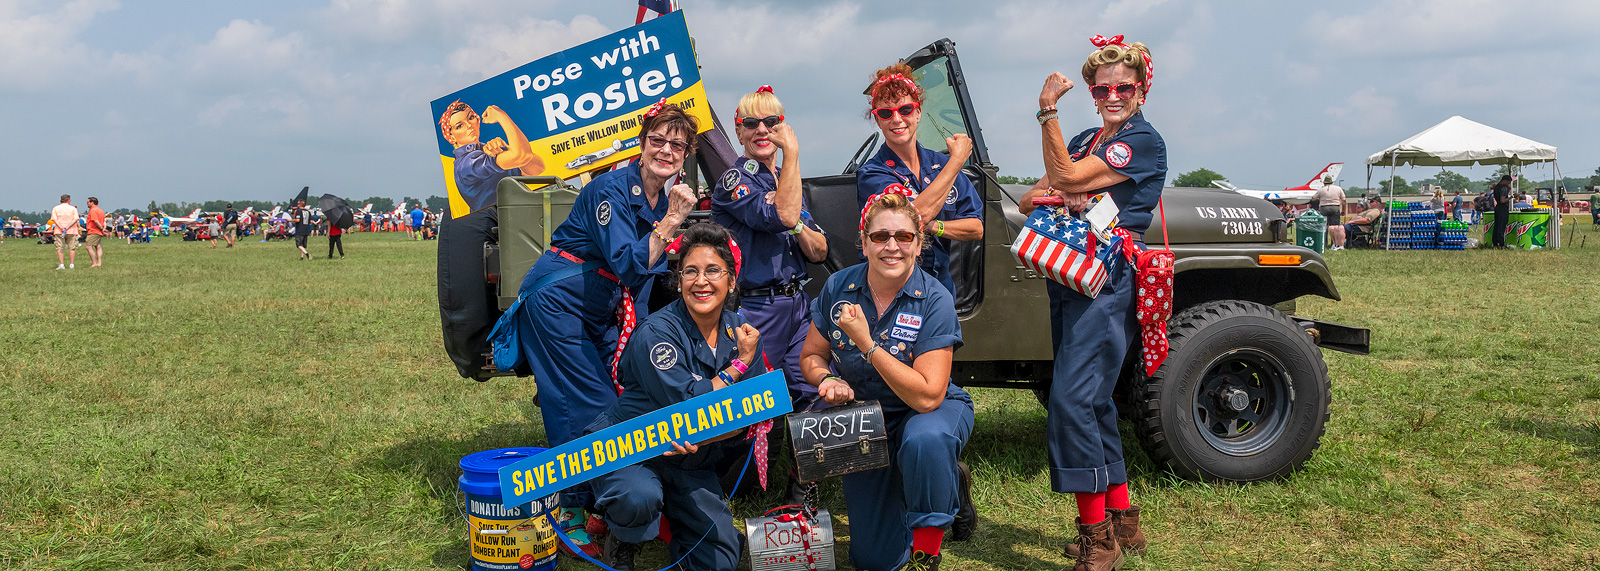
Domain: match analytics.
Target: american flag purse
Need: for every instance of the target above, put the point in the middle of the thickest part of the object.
(1064, 248)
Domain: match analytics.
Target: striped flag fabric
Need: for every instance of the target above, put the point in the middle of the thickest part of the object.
(1063, 248)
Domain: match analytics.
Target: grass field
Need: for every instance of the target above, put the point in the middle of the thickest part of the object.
(190, 408)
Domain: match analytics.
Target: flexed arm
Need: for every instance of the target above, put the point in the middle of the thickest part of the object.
(518, 152)
(1065, 175)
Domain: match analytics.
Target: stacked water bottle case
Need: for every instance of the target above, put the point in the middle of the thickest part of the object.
(1416, 226)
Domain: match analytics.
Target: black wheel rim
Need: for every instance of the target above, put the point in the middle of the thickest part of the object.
(1243, 402)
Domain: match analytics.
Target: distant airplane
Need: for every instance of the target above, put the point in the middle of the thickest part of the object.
(1294, 195)
(194, 216)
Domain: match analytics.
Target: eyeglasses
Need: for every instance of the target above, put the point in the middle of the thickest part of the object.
(888, 112)
(712, 273)
(883, 236)
(1124, 91)
(656, 142)
(770, 121)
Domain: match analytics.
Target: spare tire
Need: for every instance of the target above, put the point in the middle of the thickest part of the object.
(1242, 396)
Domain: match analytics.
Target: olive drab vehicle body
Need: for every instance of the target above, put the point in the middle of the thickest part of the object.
(1244, 392)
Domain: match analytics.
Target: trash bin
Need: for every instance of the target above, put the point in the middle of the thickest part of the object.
(1311, 231)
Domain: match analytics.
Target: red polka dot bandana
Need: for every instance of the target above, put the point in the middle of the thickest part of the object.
(1152, 300)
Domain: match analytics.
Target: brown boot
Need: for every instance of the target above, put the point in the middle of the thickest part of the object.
(1097, 547)
(1124, 523)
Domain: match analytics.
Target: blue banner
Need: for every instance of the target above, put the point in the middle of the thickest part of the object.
(695, 420)
(565, 114)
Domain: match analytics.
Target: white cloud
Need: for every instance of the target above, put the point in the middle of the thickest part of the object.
(1415, 28)
(247, 47)
(1365, 111)
(42, 49)
(495, 48)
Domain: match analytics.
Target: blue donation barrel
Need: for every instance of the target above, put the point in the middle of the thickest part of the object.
(501, 538)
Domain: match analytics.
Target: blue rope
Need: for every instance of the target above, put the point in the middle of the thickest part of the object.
(575, 549)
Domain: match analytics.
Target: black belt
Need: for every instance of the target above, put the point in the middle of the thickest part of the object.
(774, 291)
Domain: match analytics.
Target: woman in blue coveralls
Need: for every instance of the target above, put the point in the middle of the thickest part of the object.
(759, 202)
(695, 345)
(580, 297)
(1127, 159)
(886, 330)
(949, 205)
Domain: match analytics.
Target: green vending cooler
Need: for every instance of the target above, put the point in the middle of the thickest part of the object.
(1527, 229)
(1311, 231)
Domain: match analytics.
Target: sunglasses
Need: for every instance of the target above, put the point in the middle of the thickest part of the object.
(656, 142)
(1124, 91)
(883, 236)
(888, 112)
(770, 121)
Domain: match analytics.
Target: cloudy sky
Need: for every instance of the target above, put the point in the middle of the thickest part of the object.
(174, 101)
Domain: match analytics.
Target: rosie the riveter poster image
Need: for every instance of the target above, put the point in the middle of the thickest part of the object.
(565, 114)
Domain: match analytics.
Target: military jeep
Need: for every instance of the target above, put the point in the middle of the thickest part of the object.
(1242, 396)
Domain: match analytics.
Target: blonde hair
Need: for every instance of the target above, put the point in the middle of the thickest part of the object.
(892, 202)
(1132, 56)
(759, 104)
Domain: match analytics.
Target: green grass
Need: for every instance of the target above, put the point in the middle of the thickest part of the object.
(190, 408)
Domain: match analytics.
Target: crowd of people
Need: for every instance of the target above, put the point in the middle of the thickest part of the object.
(884, 330)
(68, 228)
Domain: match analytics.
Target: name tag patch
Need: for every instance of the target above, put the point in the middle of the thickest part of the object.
(908, 320)
(903, 334)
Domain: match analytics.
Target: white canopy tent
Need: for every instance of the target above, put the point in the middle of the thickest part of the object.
(1460, 142)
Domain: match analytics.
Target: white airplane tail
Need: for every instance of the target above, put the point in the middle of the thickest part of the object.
(1328, 172)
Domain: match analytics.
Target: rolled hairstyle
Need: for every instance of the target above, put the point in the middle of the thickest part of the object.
(1136, 57)
(891, 83)
(676, 120)
(714, 236)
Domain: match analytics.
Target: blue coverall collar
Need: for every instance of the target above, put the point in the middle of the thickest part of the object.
(916, 287)
(725, 344)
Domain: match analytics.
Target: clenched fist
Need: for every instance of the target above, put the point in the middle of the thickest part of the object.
(1055, 86)
(748, 340)
(960, 146)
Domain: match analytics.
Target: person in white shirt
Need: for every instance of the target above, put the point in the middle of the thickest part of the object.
(1330, 203)
(65, 216)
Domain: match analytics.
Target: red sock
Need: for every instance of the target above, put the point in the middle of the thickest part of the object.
(1117, 497)
(927, 539)
(1091, 507)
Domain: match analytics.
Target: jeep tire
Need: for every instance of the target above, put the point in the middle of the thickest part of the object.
(1242, 396)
